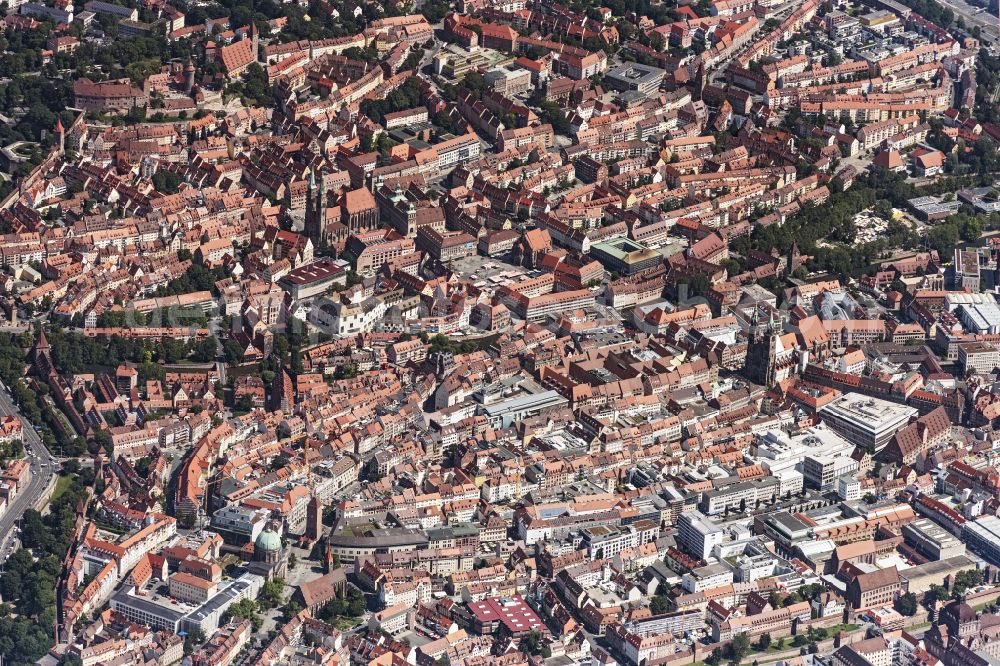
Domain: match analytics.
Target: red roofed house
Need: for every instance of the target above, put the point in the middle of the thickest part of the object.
(10, 428)
(927, 162)
(889, 160)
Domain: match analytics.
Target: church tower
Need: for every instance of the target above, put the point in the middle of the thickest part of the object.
(254, 40)
(314, 519)
(60, 133)
(762, 349)
(311, 216)
(188, 76)
(794, 258)
(315, 226)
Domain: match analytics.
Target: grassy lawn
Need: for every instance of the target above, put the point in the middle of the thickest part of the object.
(108, 527)
(345, 623)
(788, 643)
(837, 628)
(62, 484)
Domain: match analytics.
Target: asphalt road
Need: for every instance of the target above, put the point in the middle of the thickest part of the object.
(39, 485)
(973, 16)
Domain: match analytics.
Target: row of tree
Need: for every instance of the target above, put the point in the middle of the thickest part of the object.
(28, 584)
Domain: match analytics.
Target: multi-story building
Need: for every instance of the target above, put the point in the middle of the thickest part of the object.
(980, 358)
(191, 588)
(932, 541)
(865, 421)
(822, 472)
(508, 82)
(313, 279)
(878, 588)
(625, 256)
(697, 535)
(446, 246)
(158, 612)
(340, 318)
(634, 76)
(604, 542)
(983, 537)
(777, 622)
(965, 271)
(739, 496)
(405, 118)
(707, 577)
(379, 252)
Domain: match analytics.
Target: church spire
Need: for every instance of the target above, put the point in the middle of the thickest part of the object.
(42, 344)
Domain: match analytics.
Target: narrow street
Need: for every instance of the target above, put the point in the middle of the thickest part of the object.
(40, 484)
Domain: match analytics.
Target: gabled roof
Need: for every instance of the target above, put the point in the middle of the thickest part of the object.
(237, 55)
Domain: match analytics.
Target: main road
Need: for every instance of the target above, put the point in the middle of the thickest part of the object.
(40, 483)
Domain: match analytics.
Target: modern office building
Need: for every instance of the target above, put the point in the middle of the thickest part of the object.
(625, 256)
(740, 496)
(698, 535)
(503, 414)
(160, 612)
(866, 422)
(786, 529)
(821, 472)
(965, 270)
(932, 541)
(239, 525)
(983, 538)
(633, 76)
(977, 357)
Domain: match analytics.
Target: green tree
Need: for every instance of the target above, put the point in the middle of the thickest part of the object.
(739, 648)
(271, 594)
(193, 641)
(290, 610)
(965, 580)
(532, 644)
(935, 593)
(906, 604)
(245, 609)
